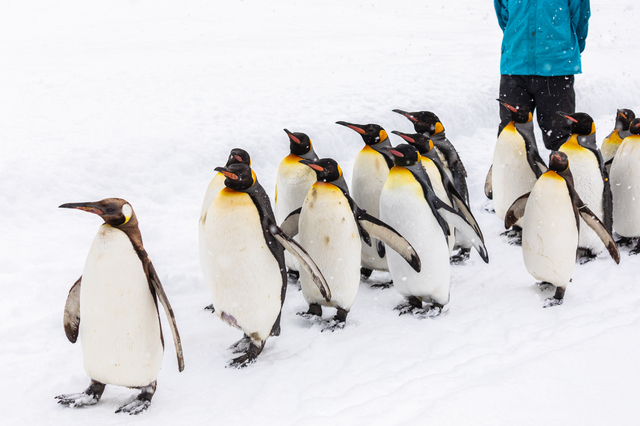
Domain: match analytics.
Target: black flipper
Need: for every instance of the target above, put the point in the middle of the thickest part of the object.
(589, 142)
(71, 318)
(290, 225)
(303, 257)
(380, 248)
(157, 285)
(516, 211)
(380, 230)
(488, 184)
(533, 156)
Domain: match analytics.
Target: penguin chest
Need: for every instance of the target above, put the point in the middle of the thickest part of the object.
(511, 174)
(293, 182)
(610, 146)
(550, 234)
(403, 206)
(119, 327)
(625, 188)
(370, 172)
(329, 233)
(215, 186)
(244, 277)
(589, 185)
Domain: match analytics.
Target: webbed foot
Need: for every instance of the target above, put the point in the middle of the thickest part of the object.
(241, 345)
(365, 273)
(142, 402)
(488, 206)
(514, 236)
(409, 306)
(585, 256)
(314, 312)
(210, 308)
(249, 357)
(383, 285)
(89, 396)
(625, 241)
(337, 322)
(463, 255)
(556, 300)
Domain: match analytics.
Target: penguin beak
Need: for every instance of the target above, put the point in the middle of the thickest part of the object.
(313, 166)
(226, 172)
(507, 106)
(404, 136)
(567, 116)
(396, 153)
(87, 207)
(406, 114)
(292, 137)
(622, 114)
(355, 127)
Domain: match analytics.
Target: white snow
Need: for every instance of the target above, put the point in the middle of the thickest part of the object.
(142, 100)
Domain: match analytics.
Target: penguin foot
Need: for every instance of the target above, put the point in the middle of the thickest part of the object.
(210, 308)
(89, 396)
(635, 250)
(249, 357)
(432, 311)
(514, 236)
(545, 286)
(585, 255)
(552, 301)
(314, 312)
(384, 285)
(625, 241)
(411, 305)
(142, 402)
(293, 275)
(460, 257)
(365, 273)
(241, 345)
(333, 325)
(488, 207)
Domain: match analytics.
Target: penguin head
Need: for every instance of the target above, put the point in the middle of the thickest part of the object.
(558, 161)
(238, 155)
(580, 123)
(519, 113)
(327, 169)
(423, 121)
(240, 177)
(405, 155)
(423, 143)
(299, 143)
(634, 127)
(624, 117)
(115, 212)
(372, 134)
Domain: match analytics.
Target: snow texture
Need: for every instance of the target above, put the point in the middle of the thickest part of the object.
(142, 100)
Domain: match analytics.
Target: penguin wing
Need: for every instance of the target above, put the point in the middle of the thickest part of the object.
(459, 202)
(459, 221)
(303, 257)
(533, 156)
(71, 318)
(380, 230)
(290, 225)
(488, 184)
(516, 211)
(357, 213)
(154, 280)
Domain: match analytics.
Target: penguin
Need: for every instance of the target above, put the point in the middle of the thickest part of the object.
(551, 215)
(442, 186)
(625, 175)
(516, 165)
(409, 204)
(246, 267)
(370, 171)
(591, 179)
(293, 182)
(237, 155)
(114, 310)
(331, 225)
(611, 143)
(428, 123)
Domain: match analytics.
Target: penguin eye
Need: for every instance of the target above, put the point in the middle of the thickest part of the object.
(111, 210)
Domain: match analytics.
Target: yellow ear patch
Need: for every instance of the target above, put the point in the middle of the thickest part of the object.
(253, 177)
(593, 128)
(439, 128)
(339, 170)
(383, 135)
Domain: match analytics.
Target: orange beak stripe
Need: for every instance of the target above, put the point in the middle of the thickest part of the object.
(396, 153)
(230, 175)
(316, 167)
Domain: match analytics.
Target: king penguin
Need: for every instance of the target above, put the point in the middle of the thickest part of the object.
(246, 268)
(114, 310)
(551, 215)
(237, 155)
(591, 179)
(331, 225)
(611, 143)
(370, 171)
(409, 204)
(293, 182)
(625, 179)
(516, 165)
(428, 123)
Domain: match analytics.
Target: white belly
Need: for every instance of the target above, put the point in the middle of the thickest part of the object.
(370, 172)
(119, 324)
(329, 234)
(245, 279)
(511, 176)
(403, 207)
(438, 189)
(293, 182)
(589, 186)
(625, 188)
(215, 186)
(549, 234)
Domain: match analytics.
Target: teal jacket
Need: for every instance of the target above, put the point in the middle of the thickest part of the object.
(542, 37)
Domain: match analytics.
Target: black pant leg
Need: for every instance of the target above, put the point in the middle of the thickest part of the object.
(514, 90)
(553, 94)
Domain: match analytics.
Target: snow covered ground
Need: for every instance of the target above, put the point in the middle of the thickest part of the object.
(142, 100)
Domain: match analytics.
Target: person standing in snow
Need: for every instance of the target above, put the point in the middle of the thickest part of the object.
(541, 48)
